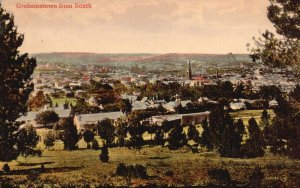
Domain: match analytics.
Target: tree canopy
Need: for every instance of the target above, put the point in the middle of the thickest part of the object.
(15, 85)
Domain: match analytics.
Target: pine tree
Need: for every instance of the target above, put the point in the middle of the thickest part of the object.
(254, 145)
(265, 124)
(193, 133)
(104, 157)
(232, 137)
(177, 138)
(88, 136)
(70, 135)
(206, 138)
(159, 136)
(15, 85)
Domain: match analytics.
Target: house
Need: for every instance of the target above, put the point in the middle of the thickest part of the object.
(170, 106)
(30, 117)
(273, 103)
(237, 105)
(82, 121)
(93, 101)
(185, 119)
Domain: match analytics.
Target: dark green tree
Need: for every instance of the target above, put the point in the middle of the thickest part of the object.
(177, 138)
(70, 135)
(206, 137)
(159, 136)
(216, 122)
(47, 117)
(255, 143)
(193, 133)
(106, 130)
(15, 85)
(151, 129)
(265, 124)
(104, 157)
(88, 136)
(49, 139)
(121, 131)
(279, 52)
(27, 141)
(285, 16)
(125, 106)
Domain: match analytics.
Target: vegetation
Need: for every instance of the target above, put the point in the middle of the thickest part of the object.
(15, 87)
(70, 135)
(47, 117)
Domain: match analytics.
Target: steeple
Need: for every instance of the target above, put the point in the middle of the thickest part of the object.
(189, 71)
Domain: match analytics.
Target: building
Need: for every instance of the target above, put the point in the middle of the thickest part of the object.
(82, 121)
(185, 119)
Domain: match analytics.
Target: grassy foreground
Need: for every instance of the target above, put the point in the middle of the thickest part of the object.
(169, 168)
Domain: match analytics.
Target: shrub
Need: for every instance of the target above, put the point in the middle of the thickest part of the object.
(104, 154)
(95, 144)
(121, 169)
(6, 168)
(219, 176)
(137, 171)
(49, 139)
(256, 177)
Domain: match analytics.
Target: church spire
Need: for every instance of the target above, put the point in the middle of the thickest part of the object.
(189, 72)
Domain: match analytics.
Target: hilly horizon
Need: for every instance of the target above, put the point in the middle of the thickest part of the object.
(133, 58)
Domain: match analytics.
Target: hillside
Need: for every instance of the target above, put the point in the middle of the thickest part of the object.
(134, 59)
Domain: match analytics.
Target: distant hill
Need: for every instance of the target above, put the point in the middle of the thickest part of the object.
(132, 59)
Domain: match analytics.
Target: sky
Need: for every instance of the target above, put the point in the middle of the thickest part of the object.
(141, 26)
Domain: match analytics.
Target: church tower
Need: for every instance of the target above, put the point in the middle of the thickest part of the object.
(189, 71)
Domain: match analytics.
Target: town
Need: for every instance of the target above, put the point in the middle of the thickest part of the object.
(150, 94)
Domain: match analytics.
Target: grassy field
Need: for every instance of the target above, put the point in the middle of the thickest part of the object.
(61, 101)
(82, 167)
(245, 115)
(164, 167)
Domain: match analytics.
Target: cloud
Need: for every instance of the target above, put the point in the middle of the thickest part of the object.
(147, 26)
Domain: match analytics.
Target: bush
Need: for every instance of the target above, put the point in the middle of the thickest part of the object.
(49, 139)
(219, 176)
(256, 177)
(104, 154)
(6, 168)
(95, 144)
(137, 171)
(121, 169)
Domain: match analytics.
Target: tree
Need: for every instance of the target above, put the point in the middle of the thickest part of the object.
(177, 138)
(104, 157)
(27, 141)
(70, 136)
(121, 131)
(47, 117)
(230, 145)
(206, 137)
(106, 130)
(265, 124)
(285, 16)
(125, 106)
(66, 104)
(49, 139)
(88, 137)
(159, 136)
(151, 129)
(193, 133)
(278, 52)
(15, 85)
(38, 101)
(136, 131)
(216, 122)
(254, 145)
